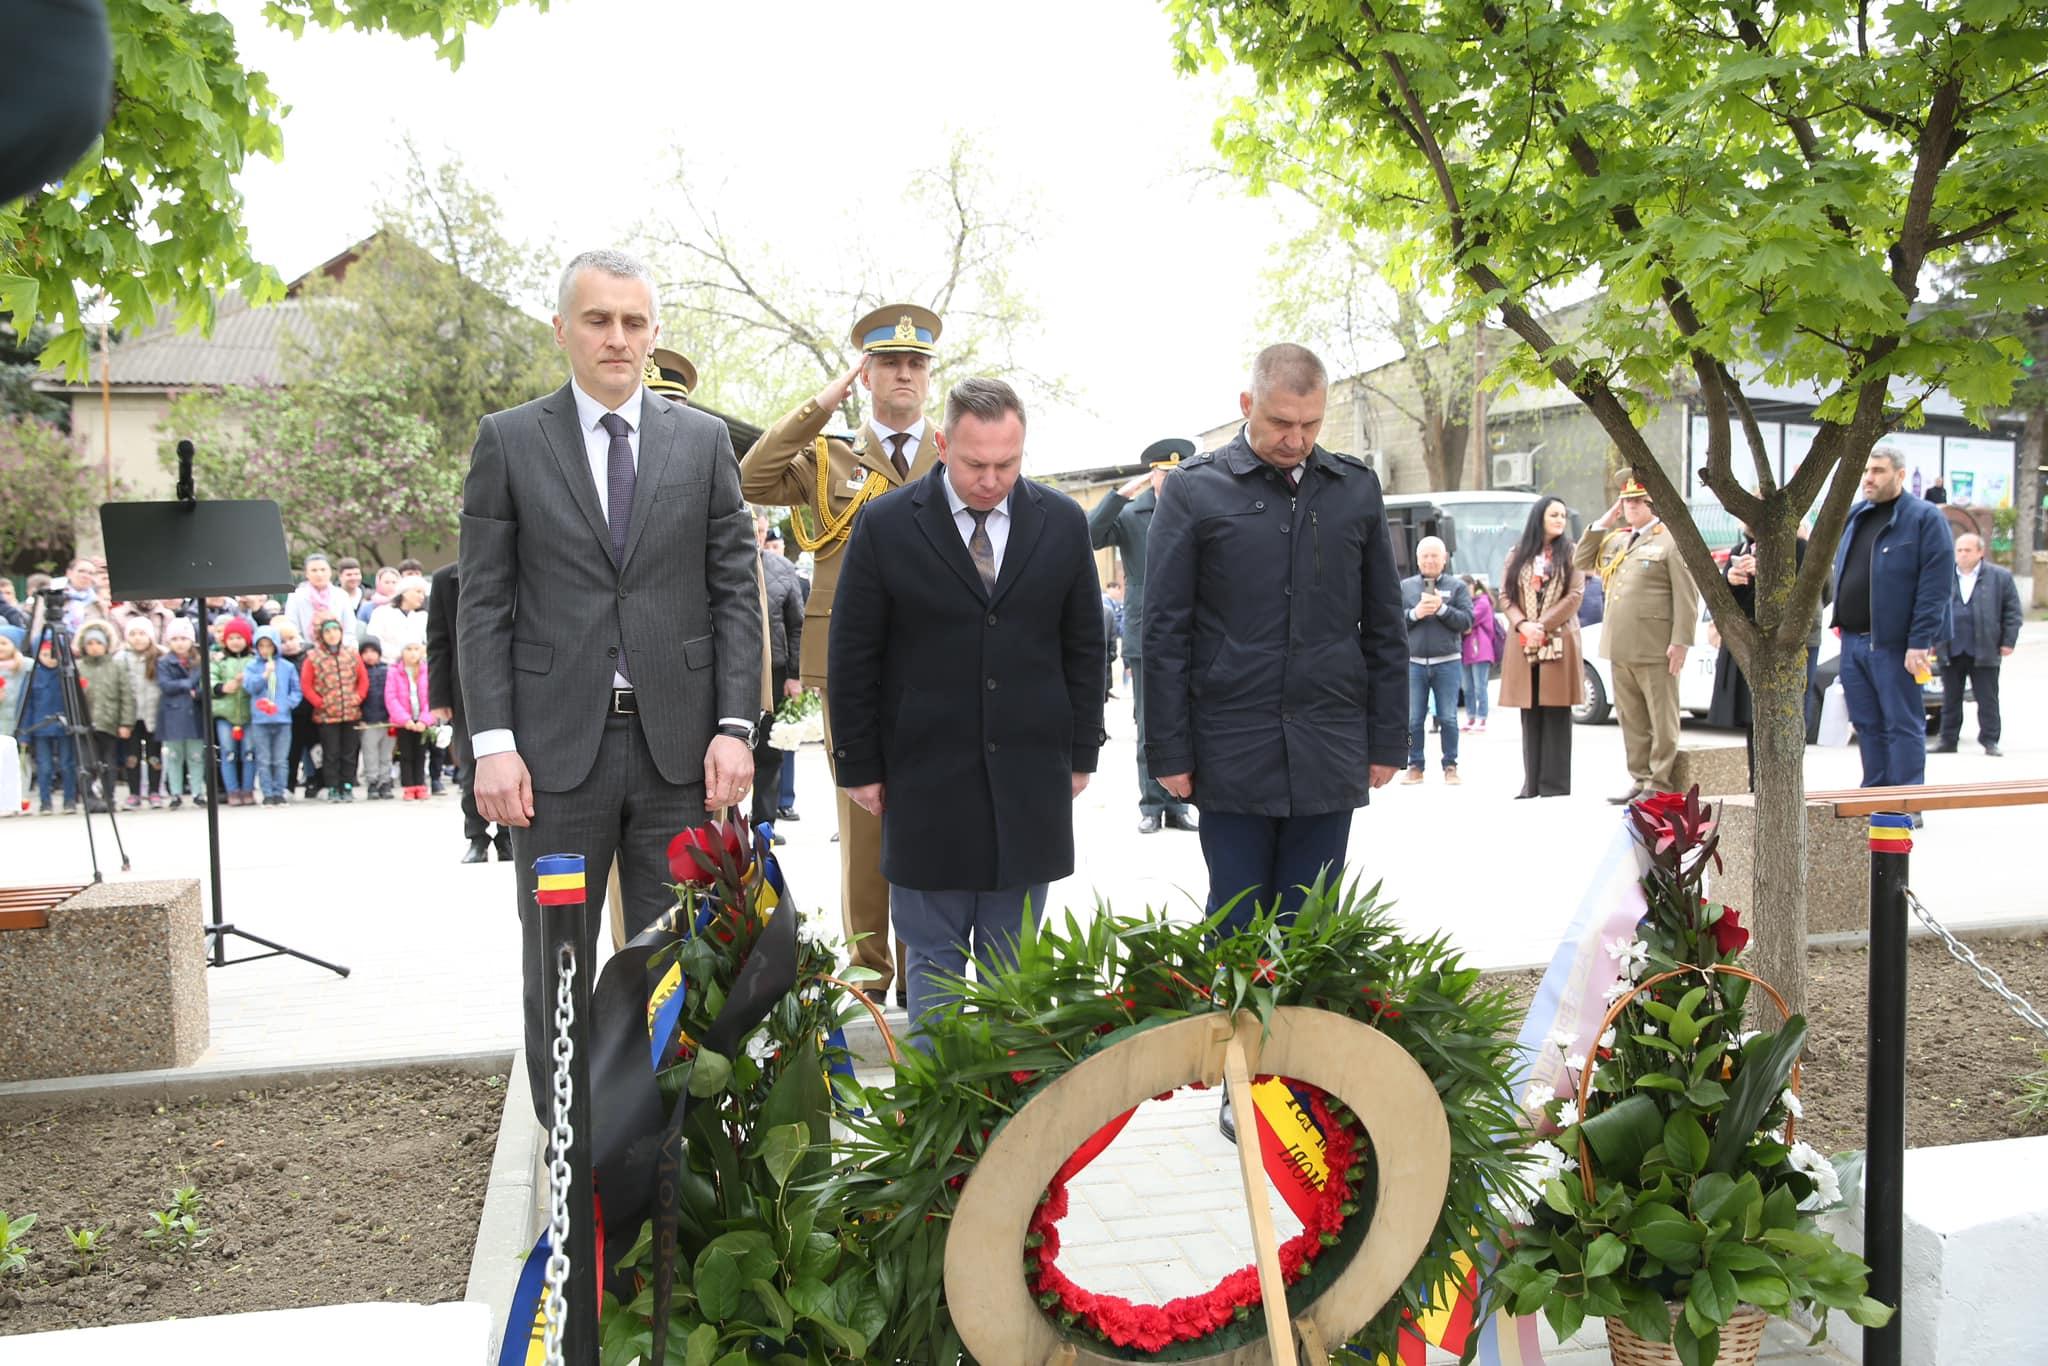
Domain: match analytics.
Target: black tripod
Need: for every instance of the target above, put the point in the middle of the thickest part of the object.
(94, 778)
(195, 550)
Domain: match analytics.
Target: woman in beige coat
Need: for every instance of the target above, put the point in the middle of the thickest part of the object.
(1541, 672)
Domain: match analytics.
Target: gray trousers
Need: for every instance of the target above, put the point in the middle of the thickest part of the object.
(376, 769)
(623, 809)
(1153, 800)
(942, 930)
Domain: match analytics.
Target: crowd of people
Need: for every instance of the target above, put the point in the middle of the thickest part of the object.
(324, 695)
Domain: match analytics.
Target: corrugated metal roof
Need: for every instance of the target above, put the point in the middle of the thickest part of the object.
(247, 345)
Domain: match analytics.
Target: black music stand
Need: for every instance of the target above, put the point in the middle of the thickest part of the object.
(195, 550)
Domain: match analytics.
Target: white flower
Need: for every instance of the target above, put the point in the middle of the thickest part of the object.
(1792, 1105)
(1650, 1029)
(1537, 1097)
(1618, 990)
(1568, 1114)
(1577, 1062)
(1607, 1039)
(1827, 1187)
(1560, 1039)
(1742, 1039)
(1571, 1164)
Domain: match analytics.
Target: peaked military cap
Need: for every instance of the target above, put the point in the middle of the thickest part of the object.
(1169, 452)
(898, 327)
(670, 373)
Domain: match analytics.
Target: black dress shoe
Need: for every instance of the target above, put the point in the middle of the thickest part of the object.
(1625, 798)
(1179, 820)
(479, 851)
(903, 995)
(1150, 825)
(1993, 750)
(787, 813)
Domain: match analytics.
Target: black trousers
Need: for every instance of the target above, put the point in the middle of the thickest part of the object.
(341, 746)
(106, 768)
(1983, 680)
(1546, 751)
(298, 764)
(1153, 800)
(145, 762)
(623, 809)
(768, 760)
(412, 758)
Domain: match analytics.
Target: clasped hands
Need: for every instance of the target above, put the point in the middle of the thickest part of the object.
(504, 788)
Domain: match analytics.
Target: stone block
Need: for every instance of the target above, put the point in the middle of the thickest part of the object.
(116, 982)
(1837, 866)
(1720, 769)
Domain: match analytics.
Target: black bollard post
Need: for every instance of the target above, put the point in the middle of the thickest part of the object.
(1884, 1162)
(560, 891)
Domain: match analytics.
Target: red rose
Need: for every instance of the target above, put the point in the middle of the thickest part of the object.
(1729, 936)
(695, 855)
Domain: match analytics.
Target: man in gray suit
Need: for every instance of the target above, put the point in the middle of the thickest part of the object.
(609, 623)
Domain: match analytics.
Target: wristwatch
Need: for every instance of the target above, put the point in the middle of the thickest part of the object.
(738, 731)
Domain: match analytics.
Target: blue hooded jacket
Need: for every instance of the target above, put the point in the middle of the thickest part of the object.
(283, 689)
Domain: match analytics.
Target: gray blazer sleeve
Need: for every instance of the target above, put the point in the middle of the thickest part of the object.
(490, 575)
(729, 566)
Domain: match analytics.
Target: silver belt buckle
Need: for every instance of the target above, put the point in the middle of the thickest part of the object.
(623, 703)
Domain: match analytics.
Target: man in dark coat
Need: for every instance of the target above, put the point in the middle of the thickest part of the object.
(1124, 520)
(784, 590)
(444, 695)
(966, 666)
(1985, 604)
(1276, 681)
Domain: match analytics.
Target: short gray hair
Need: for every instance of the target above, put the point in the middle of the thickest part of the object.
(1891, 455)
(984, 399)
(1296, 369)
(612, 261)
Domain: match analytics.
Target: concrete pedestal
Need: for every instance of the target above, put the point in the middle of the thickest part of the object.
(1719, 768)
(1837, 866)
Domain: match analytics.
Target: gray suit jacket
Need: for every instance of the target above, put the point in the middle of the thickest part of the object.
(545, 614)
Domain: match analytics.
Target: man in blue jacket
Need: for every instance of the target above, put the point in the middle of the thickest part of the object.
(1893, 578)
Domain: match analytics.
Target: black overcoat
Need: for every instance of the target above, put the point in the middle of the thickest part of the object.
(1276, 666)
(974, 708)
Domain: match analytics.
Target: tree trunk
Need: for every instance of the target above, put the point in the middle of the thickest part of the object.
(1777, 679)
(2026, 499)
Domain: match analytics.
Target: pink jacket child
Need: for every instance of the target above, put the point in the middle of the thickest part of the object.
(405, 697)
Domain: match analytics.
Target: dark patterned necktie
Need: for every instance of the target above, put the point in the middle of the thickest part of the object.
(982, 548)
(618, 482)
(896, 444)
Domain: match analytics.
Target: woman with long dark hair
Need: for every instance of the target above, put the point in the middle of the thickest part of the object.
(1542, 673)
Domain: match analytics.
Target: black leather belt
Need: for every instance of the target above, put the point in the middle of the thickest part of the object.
(623, 703)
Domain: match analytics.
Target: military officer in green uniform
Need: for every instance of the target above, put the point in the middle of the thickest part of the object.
(826, 481)
(1124, 520)
(1653, 608)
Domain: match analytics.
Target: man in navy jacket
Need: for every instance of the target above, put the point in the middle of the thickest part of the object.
(1893, 579)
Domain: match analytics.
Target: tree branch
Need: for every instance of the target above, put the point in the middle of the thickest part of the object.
(1971, 233)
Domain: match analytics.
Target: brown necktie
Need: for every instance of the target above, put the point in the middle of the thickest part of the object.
(982, 548)
(896, 444)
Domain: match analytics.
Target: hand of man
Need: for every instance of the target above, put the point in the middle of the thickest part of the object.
(1132, 488)
(232, 685)
(1081, 783)
(1607, 517)
(834, 394)
(1738, 573)
(793, 687)
(122, 731)
(728, 772)
(443, 715)
(1919, 662)
(1676, 654)
(1428, 607)
(504, 789)
(872, 798)
(2005, 649)
(1382, 774)
(1181, 785)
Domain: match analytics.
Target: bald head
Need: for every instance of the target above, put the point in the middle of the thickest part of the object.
(1287, 368)
(1969, 551)
(1430, 556)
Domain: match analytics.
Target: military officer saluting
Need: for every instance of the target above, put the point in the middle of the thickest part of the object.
(826, 481)
(1653, 609)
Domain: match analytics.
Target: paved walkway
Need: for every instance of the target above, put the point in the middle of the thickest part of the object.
(435, 957)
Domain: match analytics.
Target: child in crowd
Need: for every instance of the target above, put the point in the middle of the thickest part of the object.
(1481, 652)
(109, 694)
(405, 693)
(231, 713)
(144, 758)
(181, 714)
(43, 726)
(301, 763)
(377, 733)
(14, 669)
(335, 682)
(271, 683)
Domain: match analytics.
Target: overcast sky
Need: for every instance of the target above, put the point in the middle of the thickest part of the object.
(1145, 268)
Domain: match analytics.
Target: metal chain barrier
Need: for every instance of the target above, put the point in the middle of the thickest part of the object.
(1961, 953)
(561, 1138)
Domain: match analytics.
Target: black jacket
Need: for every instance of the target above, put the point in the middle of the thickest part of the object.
(1994, 613)
(1276, 667)
(975, 710)
(785, 609)
(444, 678)
(1442, 635)
(1128, 527)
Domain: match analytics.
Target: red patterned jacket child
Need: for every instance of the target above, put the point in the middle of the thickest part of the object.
(335, 684)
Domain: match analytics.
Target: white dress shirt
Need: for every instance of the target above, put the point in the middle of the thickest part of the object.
(915, 431)
(998, 522)
(597, 449)
(1966, 584)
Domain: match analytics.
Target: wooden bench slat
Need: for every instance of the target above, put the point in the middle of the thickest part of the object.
(1863, 801)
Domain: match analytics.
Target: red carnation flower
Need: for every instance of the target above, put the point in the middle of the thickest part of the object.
(1729, 936)
(694, 856)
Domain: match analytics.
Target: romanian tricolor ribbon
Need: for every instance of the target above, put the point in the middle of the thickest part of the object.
(1890, 833)
(558, 880)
